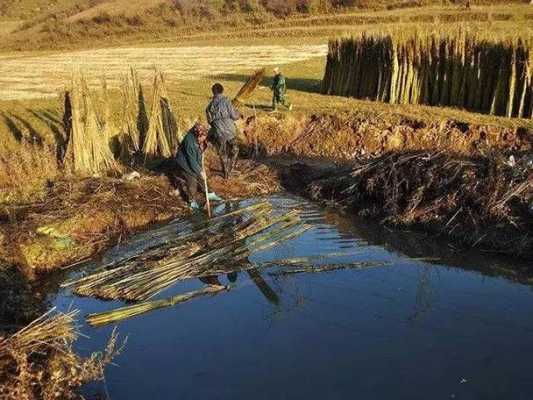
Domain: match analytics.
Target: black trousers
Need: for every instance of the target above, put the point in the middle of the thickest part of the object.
(228, 151)
(190, 184)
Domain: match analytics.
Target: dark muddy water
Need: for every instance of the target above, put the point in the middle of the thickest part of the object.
(431, 324)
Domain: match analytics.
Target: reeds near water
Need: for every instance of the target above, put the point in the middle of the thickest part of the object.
(492, 77)
(38, 361)
(50, 330)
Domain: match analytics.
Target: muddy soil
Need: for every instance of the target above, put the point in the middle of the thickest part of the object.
(79, 219)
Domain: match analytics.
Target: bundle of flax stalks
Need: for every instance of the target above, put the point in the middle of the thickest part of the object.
(248, 88)
(133, 130)
(162, 136)
(220, 246)
(493, 77)
(37, 362)
(88, 149)
(50, 330)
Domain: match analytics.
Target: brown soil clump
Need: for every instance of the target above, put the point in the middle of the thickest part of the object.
(344, 136)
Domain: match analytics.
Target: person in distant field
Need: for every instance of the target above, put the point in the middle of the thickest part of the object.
(190, 166)
(279, 91)
(221, 115)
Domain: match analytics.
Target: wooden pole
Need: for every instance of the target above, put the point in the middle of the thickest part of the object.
(256, 148)
(207, 202)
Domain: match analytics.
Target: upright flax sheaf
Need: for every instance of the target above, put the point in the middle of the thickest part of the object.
(89, 150)
(493, 77)
(134, 119)
(162, 136)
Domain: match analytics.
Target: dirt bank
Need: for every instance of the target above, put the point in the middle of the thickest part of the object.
(345, 136)
(471, 183)
(79, 219)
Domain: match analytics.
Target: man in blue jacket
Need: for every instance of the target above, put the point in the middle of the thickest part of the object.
(221, 115)
(189, 160)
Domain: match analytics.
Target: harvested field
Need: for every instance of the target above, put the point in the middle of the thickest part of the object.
(47, 75)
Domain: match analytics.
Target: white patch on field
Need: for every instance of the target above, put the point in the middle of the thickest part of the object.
(46, 76)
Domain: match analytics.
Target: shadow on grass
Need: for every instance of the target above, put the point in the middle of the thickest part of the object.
(57, 127)
(13, 128)
(22, 129)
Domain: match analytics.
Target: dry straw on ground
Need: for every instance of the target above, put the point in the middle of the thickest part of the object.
(38, 363)
(462, 70)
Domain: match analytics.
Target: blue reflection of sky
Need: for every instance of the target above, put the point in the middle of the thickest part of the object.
(410, 330)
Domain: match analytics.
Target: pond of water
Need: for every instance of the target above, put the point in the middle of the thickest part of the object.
(429, 323)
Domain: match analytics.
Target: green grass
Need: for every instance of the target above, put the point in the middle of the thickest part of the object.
(190, 97)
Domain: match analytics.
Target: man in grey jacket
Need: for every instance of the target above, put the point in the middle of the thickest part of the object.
(221, 115)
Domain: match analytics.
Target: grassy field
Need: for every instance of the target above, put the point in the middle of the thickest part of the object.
(111, 23)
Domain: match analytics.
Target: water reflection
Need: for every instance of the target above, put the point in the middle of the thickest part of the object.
(414, 329)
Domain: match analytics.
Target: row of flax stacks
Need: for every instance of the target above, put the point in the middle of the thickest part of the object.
(221, 245)
(96, 141)
(492, 77)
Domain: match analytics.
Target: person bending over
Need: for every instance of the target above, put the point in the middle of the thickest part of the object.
(190, 166)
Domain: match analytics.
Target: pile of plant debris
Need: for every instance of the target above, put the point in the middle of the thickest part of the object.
(37, 362)
(480, 201)
(220, 245)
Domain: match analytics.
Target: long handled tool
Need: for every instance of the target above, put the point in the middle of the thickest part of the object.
(207, 202)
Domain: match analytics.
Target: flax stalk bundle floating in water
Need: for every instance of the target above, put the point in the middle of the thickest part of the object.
(297, 268)
(88, 149)
(162, 136)
(493, 77)
(123, 313)
(248, 88)
(209, 250)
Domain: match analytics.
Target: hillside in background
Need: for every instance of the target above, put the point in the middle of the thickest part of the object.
(45, 24)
